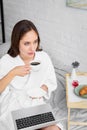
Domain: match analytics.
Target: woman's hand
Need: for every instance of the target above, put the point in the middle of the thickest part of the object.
(39, 93)
(17, 71)
(21, 70)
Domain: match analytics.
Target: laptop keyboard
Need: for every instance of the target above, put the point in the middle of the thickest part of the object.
(34, 120)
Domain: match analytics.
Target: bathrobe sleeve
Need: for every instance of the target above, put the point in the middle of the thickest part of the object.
(5, 65)
(3, 72)
(50, 76)
(1, 68)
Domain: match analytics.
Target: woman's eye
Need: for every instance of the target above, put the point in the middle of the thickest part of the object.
(35, 42)
(26, 43)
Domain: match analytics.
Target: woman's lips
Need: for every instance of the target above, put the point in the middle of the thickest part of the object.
(31, 53)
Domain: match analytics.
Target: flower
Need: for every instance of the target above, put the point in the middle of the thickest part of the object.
(75, 64)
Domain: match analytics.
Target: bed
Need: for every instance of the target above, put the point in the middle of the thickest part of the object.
(58, 97)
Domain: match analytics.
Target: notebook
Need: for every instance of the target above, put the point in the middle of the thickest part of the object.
(33, 118)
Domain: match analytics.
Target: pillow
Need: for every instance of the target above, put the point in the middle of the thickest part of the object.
(4, 48)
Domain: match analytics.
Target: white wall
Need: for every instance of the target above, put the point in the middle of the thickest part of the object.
(62, 29)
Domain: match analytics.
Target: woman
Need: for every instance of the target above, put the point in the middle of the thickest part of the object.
(20, 85)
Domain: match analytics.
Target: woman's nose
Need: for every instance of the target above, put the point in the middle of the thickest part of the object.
(32, 47)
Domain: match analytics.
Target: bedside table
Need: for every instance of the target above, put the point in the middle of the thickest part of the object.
(74, 101)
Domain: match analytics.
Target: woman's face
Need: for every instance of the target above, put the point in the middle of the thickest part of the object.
(28, 45)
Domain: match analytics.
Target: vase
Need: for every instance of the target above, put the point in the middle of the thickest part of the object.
(74, 79)
(73, 74)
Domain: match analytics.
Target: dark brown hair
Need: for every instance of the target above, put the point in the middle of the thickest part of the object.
(18, 32)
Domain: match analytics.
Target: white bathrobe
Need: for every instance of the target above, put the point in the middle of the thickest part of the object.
(17, 93)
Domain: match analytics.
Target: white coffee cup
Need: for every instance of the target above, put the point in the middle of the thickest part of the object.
(35, 65)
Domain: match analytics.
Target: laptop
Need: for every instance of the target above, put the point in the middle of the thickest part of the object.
(33, 118)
